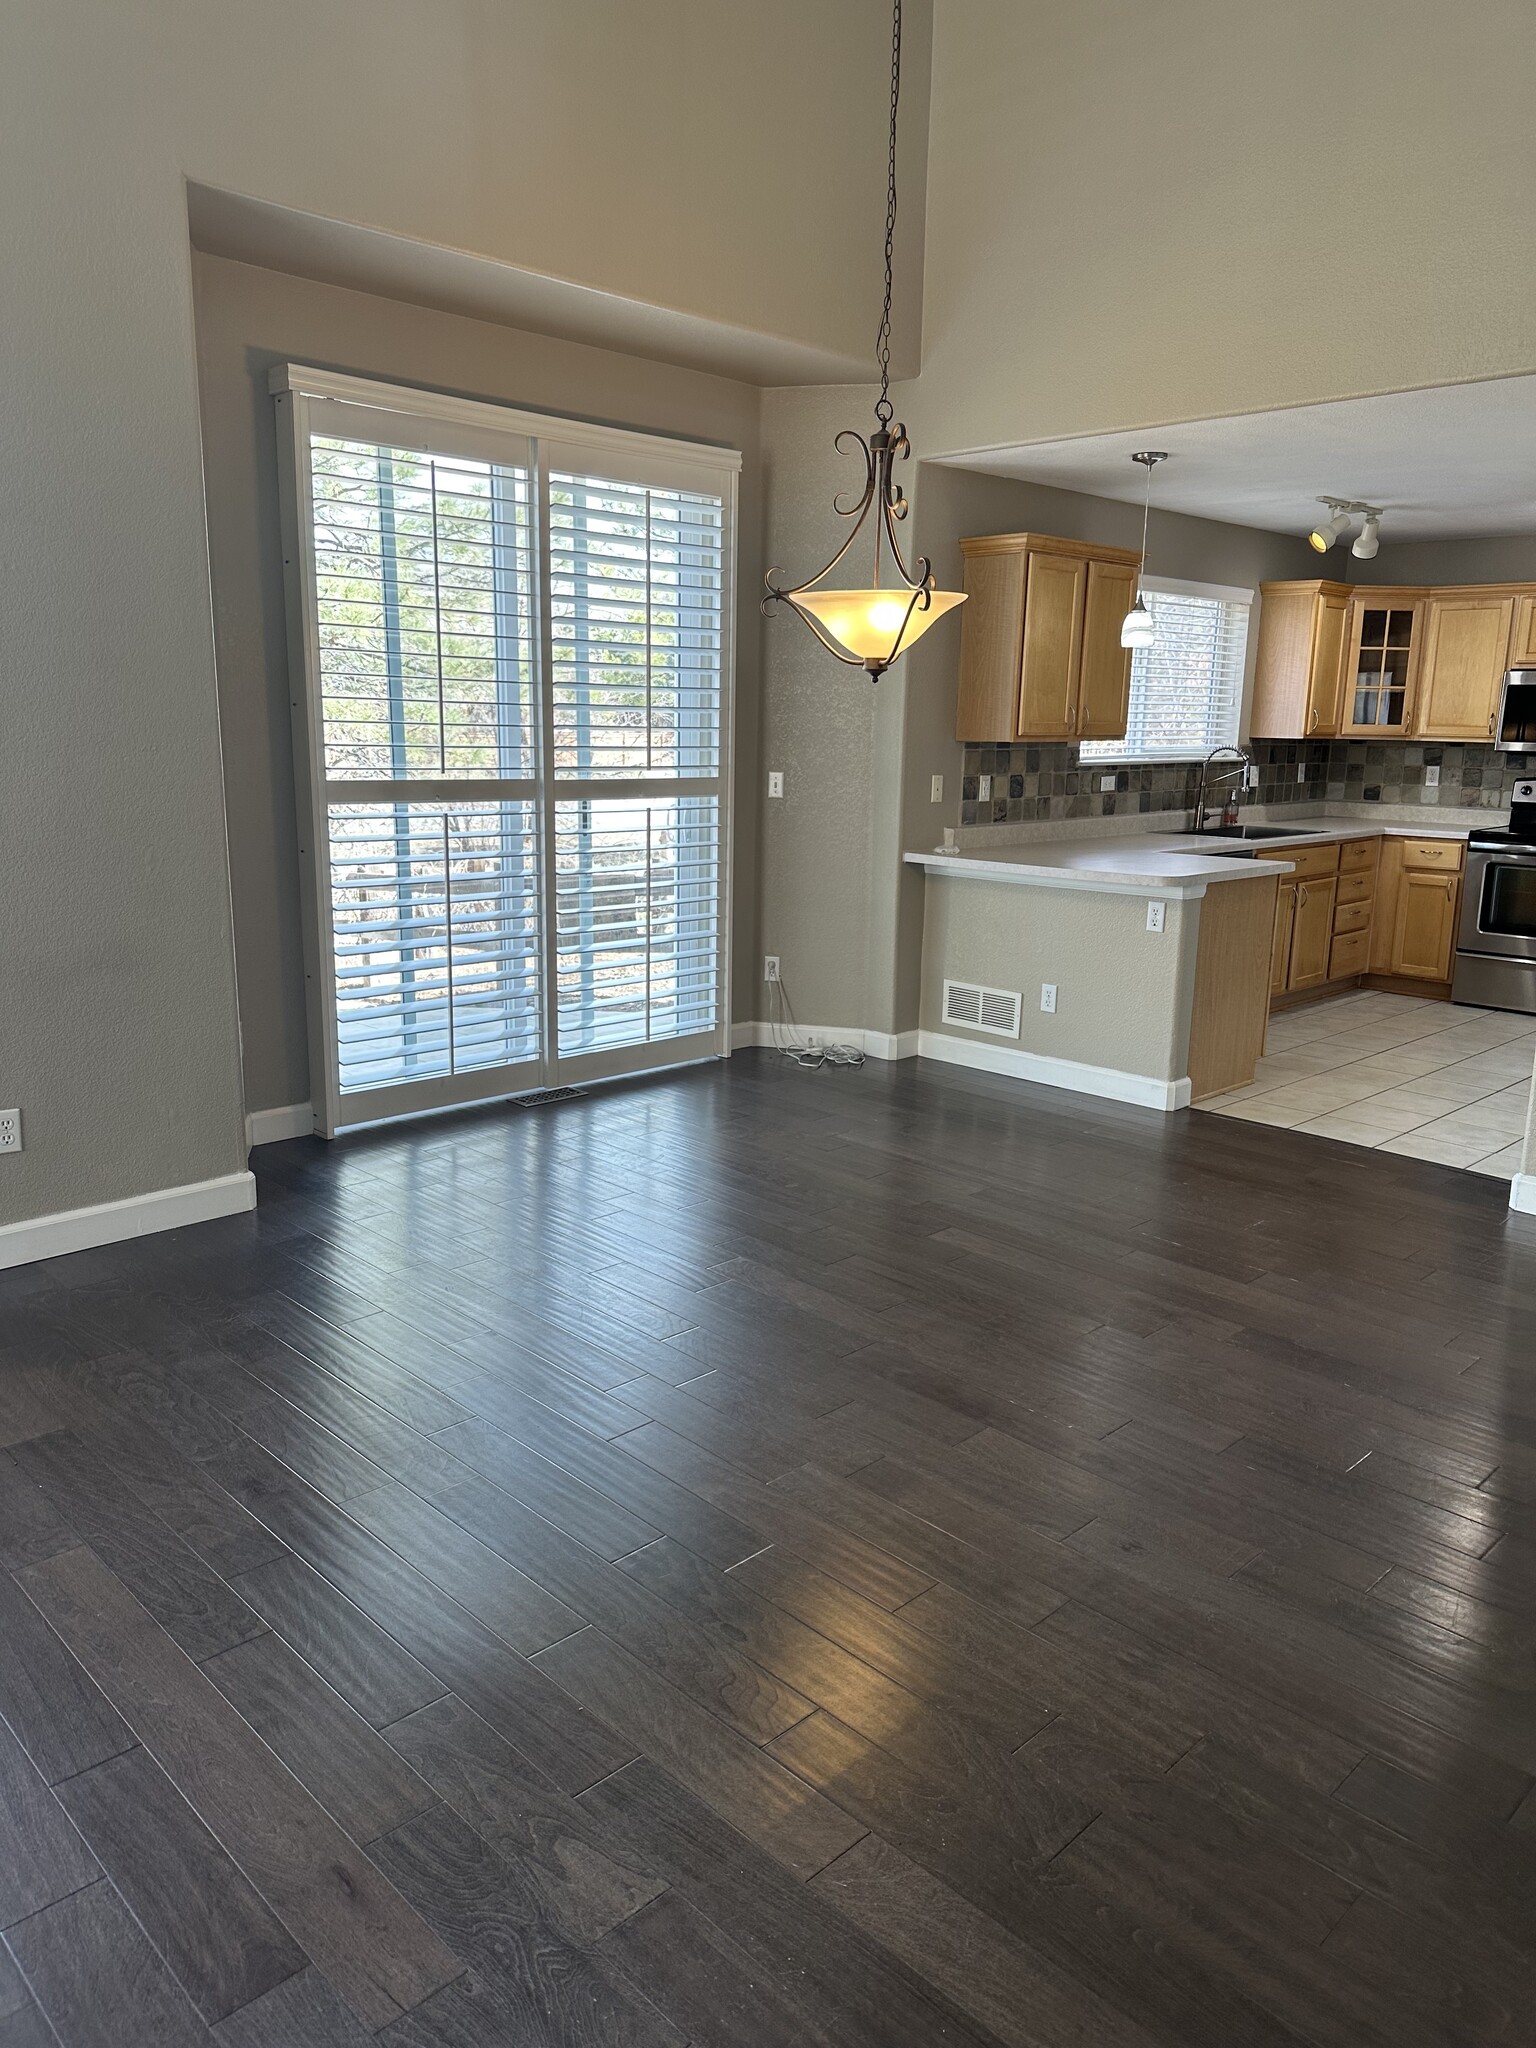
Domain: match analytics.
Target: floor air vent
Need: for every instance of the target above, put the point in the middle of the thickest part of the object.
(540, 1096)
(983, 1009)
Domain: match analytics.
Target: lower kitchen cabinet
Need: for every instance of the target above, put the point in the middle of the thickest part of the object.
(1383, 908)
(1424, 929)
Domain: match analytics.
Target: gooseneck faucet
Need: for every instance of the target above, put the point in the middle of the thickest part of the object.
(1205, 776)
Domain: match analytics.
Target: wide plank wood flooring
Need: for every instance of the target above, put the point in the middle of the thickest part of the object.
(758, 1557)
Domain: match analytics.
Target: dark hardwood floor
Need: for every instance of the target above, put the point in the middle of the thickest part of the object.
(759, 1557)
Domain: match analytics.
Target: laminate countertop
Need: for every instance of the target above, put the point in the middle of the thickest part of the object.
(1163, 863)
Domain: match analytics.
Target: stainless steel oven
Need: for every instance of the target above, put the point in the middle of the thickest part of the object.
(1496, 945)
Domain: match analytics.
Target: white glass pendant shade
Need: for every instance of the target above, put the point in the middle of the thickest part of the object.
(1136, 628)
(877, 625)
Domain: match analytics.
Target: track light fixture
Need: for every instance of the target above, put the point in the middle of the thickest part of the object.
(1342, 513)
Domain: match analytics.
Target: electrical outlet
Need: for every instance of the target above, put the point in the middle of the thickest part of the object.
(770, 967)
(1301, 771)
(1048, 997)
(1432, 778)
(1251, 775)
(1106, 782)
(775, 781)
(984, 787)
(1156, 914)
(936, 790)
(10, 1130)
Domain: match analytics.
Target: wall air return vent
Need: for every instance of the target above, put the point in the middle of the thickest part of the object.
(983, 1009)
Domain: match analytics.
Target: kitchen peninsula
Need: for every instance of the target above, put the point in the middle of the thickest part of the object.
(1160, 952)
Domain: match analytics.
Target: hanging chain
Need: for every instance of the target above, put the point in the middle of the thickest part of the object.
(883, 338)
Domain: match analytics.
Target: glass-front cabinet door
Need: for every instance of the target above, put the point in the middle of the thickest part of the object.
(1379, 668)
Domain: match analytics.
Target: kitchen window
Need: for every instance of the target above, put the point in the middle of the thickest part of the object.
(1187, 687)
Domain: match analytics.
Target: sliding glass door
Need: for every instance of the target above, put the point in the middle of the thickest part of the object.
(512, 745)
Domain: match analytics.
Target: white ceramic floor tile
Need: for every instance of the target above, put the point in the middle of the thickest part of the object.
(1399, 1074)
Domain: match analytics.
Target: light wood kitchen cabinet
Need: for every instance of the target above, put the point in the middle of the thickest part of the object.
(1312, 933)
(1051, 662)
(1522, 641)
(1424, 929)
(1466, 643)
(1285, 925)
(1104, 689)
(1298, 662)
(1040, 653)
(1303, 918)
(1418, 896)
(1376, 698)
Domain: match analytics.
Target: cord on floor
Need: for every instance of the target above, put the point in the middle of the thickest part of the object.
(788, 1040)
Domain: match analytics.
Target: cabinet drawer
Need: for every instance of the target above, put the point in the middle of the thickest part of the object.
(1446, 855)
(1357, 888)
(1308, 861)
(1350, 954)
(1357, 853)
(1352, 917)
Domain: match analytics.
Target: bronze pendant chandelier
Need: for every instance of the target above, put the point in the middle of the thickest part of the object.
(872, 627)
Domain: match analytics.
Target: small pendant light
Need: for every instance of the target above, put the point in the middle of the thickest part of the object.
(872, 627)
(1136, 628)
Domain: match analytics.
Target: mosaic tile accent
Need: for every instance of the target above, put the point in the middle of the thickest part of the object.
(1035, 782)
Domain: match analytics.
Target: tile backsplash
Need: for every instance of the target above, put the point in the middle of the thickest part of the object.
(1034, 782)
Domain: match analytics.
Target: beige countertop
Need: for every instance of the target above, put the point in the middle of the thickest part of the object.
(1135, 860)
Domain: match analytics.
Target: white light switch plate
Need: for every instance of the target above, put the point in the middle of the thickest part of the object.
(936, 790)
(775, 781)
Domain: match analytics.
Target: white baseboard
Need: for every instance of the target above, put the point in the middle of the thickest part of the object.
(77, 1230)
(875, 1045)
(1522, 1193)
(1114, 1084)
(271, 1126)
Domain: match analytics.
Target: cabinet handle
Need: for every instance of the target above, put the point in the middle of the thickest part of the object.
(1301, 895)
(1492, 716)
(1312, 721)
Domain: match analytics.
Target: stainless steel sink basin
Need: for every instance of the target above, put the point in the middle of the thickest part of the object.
(1246, 832)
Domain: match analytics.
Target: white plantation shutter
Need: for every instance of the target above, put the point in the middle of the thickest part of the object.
(1187, 687)
(513, 744)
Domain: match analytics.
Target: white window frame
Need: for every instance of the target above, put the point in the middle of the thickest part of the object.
(446, 423)
(1117, 753)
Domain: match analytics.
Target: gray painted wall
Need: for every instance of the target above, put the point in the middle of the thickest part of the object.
(1508, 560)
(248, 319)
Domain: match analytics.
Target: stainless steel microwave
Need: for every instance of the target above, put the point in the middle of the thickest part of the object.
(1516, 729)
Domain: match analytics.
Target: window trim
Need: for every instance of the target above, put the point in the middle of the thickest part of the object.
(1217, 593)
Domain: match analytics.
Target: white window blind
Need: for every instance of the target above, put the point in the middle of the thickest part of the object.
(1187, 687)
(516, 744)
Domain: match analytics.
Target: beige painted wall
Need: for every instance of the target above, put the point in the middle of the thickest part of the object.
(1145, 214)
(675, 149)
(248, 319)
(859, 761)
(1123, 993)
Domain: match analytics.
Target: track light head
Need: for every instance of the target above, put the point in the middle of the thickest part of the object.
(1326, 531)
(1367, 541)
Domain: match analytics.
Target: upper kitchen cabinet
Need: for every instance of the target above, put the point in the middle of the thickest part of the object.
(1040, 653)
(1466, 645)
(1522, 642)
(1379, 667)
(1298, 663)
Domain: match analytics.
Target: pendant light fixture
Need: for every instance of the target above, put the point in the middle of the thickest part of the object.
(870, 628)
(1136, 628)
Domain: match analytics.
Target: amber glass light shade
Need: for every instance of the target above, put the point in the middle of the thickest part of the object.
(877, 625)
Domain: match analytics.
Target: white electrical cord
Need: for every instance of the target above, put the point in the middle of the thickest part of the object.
(788, 1041)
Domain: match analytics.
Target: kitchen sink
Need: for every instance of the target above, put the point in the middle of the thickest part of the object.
(1247, 832)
